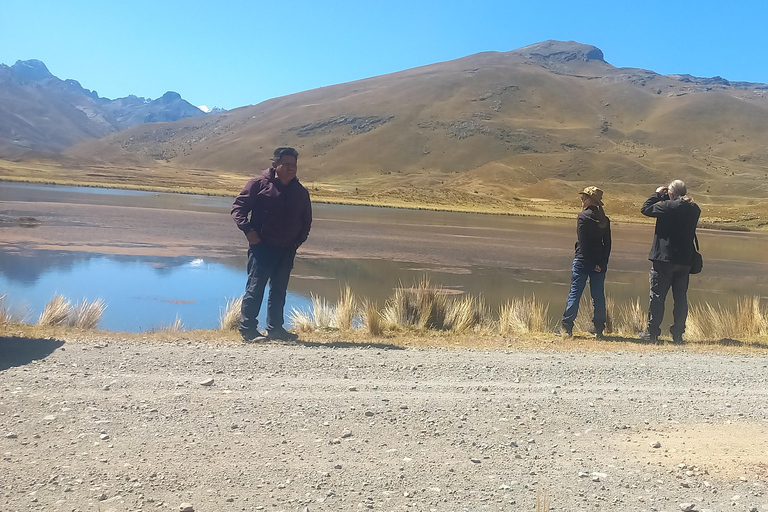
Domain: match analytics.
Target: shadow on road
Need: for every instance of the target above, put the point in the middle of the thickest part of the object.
(724, 342)
(347, 344)
(16, 351)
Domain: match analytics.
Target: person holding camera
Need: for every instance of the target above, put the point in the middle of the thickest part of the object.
(671, 255)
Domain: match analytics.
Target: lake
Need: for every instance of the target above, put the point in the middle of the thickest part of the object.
(153, 257)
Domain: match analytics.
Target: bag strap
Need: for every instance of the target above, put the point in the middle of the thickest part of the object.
(696, 243)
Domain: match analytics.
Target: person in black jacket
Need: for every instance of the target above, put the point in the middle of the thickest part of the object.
(593, 248)
(279, 222)
(671, 255)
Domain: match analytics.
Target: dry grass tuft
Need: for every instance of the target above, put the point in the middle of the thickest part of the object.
(713, 323)
(344, 312)
(86, 315)
(631, 319)
(465, 313)
(4, 315)
(301, 320)
(320, 316)
(55, 313)
(372, 319)
(175, 326)
(752, 317)
(523, 315)
(322, 313)
(421, 307)
(229, 316)
(584, 319)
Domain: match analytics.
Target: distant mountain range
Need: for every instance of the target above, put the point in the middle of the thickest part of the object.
(495, 128)
(39, 113)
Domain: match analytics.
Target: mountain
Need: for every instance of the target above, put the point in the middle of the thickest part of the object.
(495, 130)
(214, 110)
(39, 113)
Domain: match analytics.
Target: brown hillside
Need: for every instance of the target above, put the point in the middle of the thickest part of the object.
(538, 122)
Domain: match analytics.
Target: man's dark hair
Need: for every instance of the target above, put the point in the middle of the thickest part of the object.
(283, 151)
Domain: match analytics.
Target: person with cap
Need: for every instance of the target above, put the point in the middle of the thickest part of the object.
(593, 248)
(275, 214)
(671, 255)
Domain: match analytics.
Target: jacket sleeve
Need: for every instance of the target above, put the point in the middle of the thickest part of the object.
(606, 248)
(655, 206)
(306, 222)
(244, 204)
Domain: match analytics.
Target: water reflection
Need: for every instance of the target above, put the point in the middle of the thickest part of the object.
(147, 292)
(141, 293)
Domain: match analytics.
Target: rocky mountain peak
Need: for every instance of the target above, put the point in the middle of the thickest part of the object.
(553, 51)
(170, 96)
(31, 70)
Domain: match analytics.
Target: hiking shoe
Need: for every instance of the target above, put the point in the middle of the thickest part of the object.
(647, 336)
(599, 335)
(282, 335)
(563, 332)
(677, 338)
(252, 336)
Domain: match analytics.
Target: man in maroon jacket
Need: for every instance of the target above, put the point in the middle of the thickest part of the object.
(279, 222)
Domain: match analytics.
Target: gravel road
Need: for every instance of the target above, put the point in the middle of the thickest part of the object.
(122, 425)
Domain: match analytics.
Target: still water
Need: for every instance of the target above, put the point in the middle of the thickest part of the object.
(374, 250)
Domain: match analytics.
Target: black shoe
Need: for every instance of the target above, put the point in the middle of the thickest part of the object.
(677, 338)
(563, 332)
(252, 336)
(282, 335)
(597, 333)
(647, 336)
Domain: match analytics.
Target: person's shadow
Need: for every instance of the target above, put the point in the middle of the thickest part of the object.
(15, 351)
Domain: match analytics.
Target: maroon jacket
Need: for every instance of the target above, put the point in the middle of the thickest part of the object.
(280, 214)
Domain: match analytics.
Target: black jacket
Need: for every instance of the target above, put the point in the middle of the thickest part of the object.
(676, 221)
(280, 214)
(593, 231)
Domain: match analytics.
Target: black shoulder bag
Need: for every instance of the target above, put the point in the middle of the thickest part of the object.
(697, 263)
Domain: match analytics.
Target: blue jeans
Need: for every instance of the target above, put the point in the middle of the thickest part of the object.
(582, 271)
(266, 264)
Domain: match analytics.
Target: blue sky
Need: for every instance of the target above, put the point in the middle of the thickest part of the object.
(235, 53)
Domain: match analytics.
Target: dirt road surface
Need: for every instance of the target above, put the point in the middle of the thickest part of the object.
(116, 425)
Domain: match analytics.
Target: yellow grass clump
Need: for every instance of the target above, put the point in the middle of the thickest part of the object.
(229, 316)
(3, 310)
(320, 316)
(421, 307)
(631, 319)
(464, 314)
(523, 315)
(175, 326)
(344, 311)
(372, 319)
(86, 315)
(55, 313)
(748, 319)
(586, 310)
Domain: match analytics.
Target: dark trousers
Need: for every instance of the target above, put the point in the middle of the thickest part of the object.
(266, 264)
(664, 275)
(580, 272)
